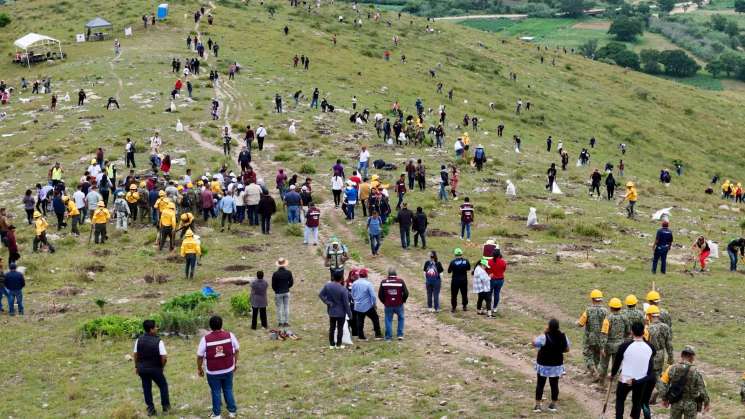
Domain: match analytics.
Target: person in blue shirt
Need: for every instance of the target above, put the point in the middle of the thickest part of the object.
(350, 194)
(227, 209)
(363, 295)
(152, 197)
(59, 210)
(662, 244)
(374, 230)
(292, 201)
(14, 283)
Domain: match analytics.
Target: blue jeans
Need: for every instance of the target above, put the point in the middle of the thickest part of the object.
(240, 213)
(465, 228)
(443, 193)
(253, 215)
(732, 261)
(293, 214)
(405, 236)
(153, 216)
(433, 293)
(314, 103)
(221, 383)
(389, 311)
(363, 168)
(374, 243)
(350, 211)
(15, 296)
(496, 289)
(191, 263)
(660, 255)
(400, 200)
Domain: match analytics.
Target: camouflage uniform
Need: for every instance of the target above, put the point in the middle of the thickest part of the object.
(662, 341)
(592, 321)
(665, 318)
(632, 315)
(694, 391)
(613, 331)
(742, 389)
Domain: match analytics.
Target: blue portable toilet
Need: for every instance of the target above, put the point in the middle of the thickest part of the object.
(162, 11)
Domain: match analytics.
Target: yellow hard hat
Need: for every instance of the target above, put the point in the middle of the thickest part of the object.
(189, 185)
(200, 183)
(142, 184)
(652, 310)
(615, 303)
(596, 294)
(184, 217)
(37, 214)
(93, 161)
(631, 300)
(133, 187)
(629, 184)
(162, 193)
(180, 188)
(101, 204)
(65, 198)
(653, 296)
(375, 177)
(189, 233)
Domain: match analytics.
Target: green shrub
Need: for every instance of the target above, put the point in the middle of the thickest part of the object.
(294, 230)
(307, 169)
(282, 157)
(188, 302)
(4, 20)
(557, 214)
(182, 321)
(112, 326)
(240, 304)
(587, 231)
(557, 231)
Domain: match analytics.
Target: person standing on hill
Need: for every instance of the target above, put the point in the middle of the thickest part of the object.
(312, 221)
(662, 244)
(190, 250)
(40, 228)
(549, 365)
(364, 299)
(14, 283)
(633, 362)
(73, 214)
(684, 402)
(481, 287)
(595, 182)
(393, 293)
(420, 227)
(631, 196)
(591, 320)
(282, 282)
(374, 230)
(99, 219)
(459, 268)
(12, 245)
(432, 277)
(466, 219)
(733, 248)
(612, 334)
(150, 359)
(405, 219)
(258, 300)
(658, 335)
(167, 223)
(444, 182)
(218, 352)
(551, 175)
(336, 298)
(267, 207)
(610, 185)
(496, 269)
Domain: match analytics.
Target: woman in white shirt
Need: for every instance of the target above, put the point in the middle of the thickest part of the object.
(337, 185)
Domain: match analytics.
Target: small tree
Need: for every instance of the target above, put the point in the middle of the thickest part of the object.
(628, 59)
(572, 8)
(650, 61)
(666, 5)
(714, 68)
(718, 22)
(678, 64)
(732, 29)
(4, 20)
(740, 6)
(626, 28)
(589, 48)
(100, 303)
(730, 62)
(271, 9)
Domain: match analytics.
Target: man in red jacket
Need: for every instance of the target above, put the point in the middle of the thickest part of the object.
(393, 293)
(219, 352)
(466, 219)
(497, 266)
(312, 221)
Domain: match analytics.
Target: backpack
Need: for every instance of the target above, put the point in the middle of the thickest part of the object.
(675, 391)
(431, 273)
(121, 206)
(186, 201)
(133, 148)
(479, 154)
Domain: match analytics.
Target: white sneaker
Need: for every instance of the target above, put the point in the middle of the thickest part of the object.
(332, 347)
(342, 347)
(232, 415)
(215, 416)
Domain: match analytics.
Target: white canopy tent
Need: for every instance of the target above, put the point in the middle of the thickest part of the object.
(32, 43)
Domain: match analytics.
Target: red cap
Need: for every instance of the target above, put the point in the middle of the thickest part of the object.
(362, 273)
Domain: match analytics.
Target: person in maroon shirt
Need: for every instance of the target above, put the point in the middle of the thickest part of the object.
(208, 202)
(312, 221)
(10, 238)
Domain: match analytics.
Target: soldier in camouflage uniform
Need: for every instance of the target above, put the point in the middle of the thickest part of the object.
(632, 314)
(742, 389)
(592, 320)
(694, 391)
(659, 336)
(653, 298)
(612, 333)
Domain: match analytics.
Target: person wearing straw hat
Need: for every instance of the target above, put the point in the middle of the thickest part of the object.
(282, 282)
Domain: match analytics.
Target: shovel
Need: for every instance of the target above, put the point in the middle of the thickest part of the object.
(607, 396)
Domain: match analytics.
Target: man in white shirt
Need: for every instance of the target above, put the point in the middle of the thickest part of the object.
(634, 359)
(218, 352)
(155, 143)
(364, 161)
(260, 135)
(79, 198)
(252, 198)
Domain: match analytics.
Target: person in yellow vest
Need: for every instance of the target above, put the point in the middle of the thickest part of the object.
(132, 197)
(186, 223)
(55, 174)
(99, 219)
(40, 228)
(466, 144)
(631, 196)
(726, 189)
(215, 186)
(190, 249)
(167, 224)
(162, 202)
(73, 213)
(364, 195)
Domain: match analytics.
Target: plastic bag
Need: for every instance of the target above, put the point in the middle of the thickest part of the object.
(511, 191)
(517, 150)
(346, 337)
(663, 214)
(292, 130)
(179, 126)
(532, 217)
(713, 248)
(579, 162)
(555, 188)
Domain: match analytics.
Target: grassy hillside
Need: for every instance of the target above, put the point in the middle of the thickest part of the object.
(449, 363)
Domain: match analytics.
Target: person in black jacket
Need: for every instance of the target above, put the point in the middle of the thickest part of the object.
(150, 358)
(420, 227)
(267, 207)
(635, 359)
(405, 219)
(282, 281)
(552, 346)
(595, 186)
(610, 185)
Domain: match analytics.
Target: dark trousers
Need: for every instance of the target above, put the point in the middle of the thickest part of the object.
(260, 141)
(99, 233)
(166, 233)
(30, 216)
(148, 377)
(207, 213)
(42, 239)
(420, 234)
(541, 383)
(226, 216)
(336, 324)
(411, 182)
(647, 395)
(130, 159)
(253, 215)
(266, 222)
(337, 197)
(660, 255)
(60, 220)
(457, 286)
(405, 236)
(484, 297)
(373, 315)
(364, 206)
(637, 391)
(133, 211)
(258, 312)
(190, 265)
(421, 181)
